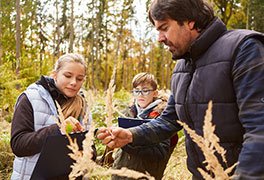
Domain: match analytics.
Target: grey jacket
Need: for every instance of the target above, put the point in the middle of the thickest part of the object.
(44, 111)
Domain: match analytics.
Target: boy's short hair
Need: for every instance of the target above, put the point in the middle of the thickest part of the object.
(144, 78)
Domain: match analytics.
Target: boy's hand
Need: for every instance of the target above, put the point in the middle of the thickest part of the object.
(71, 125)
(114, 137)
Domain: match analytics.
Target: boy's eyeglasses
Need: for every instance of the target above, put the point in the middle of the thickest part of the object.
(144, 92)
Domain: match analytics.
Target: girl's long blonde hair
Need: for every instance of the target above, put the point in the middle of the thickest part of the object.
(75, 107)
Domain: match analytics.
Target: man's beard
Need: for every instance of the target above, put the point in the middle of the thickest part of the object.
(174, 57)
(180, 55)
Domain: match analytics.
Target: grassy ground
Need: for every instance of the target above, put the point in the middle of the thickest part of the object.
(176, 167)
(6, 155)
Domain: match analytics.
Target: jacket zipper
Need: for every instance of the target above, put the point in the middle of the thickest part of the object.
(186, 109)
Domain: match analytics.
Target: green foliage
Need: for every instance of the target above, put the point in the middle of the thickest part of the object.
(9, 88)
(238, 20)
(7, 29)
(12, 84)
(255, 16)
(98, 110)
(121, 101)
(100, 148)
(241, 14)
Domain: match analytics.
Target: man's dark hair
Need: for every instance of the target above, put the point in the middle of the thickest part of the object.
(182, 10)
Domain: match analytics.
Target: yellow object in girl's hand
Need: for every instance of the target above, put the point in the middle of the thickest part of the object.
(68, 128)
(71, 125)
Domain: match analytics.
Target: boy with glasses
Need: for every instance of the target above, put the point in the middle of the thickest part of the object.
(147, 104)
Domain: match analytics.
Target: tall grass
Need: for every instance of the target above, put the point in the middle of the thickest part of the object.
(6, 155)
(209, 144)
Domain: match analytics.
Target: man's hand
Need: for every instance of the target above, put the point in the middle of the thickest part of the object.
(114, 137)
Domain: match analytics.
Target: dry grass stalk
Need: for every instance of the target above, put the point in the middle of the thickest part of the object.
(76, 154)
(109, 104)
(209, 144)
(61, 117)
(83, 159)
(89, 101)
(107, 158)
(86, 167)
(84, 163)
(212, 141)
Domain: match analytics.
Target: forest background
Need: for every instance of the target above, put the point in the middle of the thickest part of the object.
(108, 33)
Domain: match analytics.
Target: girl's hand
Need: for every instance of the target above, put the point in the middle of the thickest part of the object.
(71, 125)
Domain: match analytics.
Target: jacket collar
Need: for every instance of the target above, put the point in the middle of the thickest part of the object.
(143, 112)
(49, 84)
(207, 37)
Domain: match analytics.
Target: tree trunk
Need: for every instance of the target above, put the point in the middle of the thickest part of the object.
(247, 15)
(18, 32)
(1, 47)
(106, 55)
(57, 34)
(71, 28)
(92, 51)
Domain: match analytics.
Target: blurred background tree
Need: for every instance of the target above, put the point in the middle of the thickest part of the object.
(108, 33)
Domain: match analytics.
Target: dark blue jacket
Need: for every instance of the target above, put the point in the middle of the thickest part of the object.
(226, 67)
